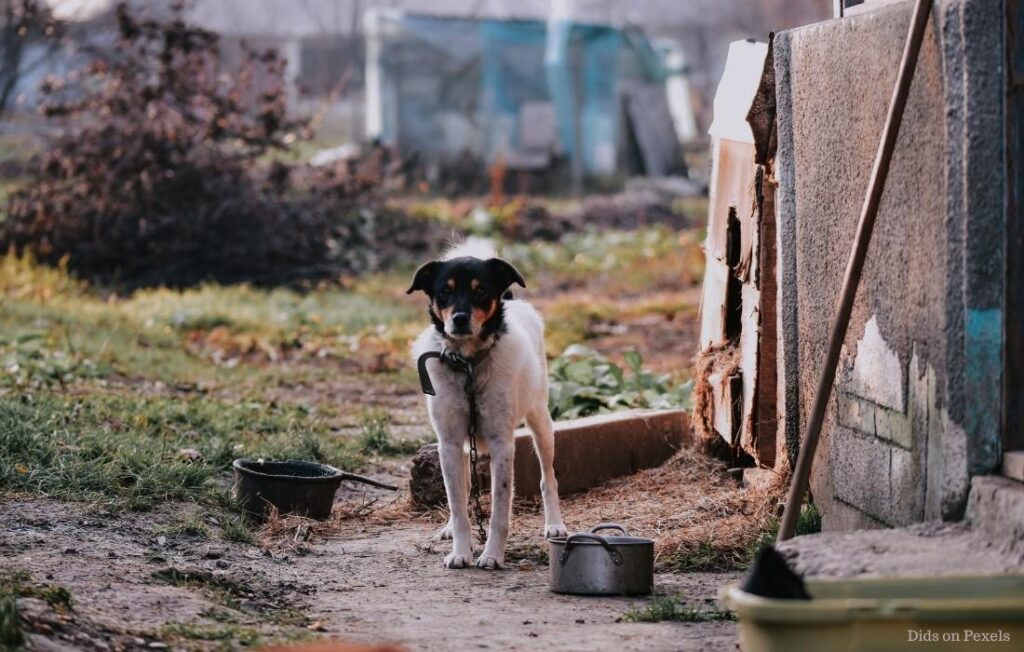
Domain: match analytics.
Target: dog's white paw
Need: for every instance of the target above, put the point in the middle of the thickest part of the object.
(488, 562)
(445, 533)
(455, 560)
(555, 530)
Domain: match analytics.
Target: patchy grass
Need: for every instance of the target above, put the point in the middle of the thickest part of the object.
(574, 318)
(520, 549)
(57, 329)
(124, 451)
(376, 437)
(233, 597)
(808, 522)
(620, 263)
(237, 530)
(11, 635)
(673, 608)
(227, 634)
(709, 556)
(16, 584)
(227, 590)
(185, 526)
(277, 314)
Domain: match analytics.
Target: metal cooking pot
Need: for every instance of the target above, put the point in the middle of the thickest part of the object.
(587, 563)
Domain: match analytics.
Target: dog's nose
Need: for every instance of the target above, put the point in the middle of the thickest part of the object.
(460, 320)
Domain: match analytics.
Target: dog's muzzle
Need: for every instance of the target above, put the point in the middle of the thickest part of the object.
(462, 324)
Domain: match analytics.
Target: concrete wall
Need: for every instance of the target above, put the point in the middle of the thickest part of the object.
(915, 409)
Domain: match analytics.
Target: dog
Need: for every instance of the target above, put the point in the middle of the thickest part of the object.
(474, 315)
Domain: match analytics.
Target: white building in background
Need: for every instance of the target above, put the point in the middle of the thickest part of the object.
(324, 42)
(321, 37)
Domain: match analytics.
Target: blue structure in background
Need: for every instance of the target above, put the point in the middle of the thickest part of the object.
(522, 93)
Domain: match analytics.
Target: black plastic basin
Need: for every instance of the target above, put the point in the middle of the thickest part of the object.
(292, 486)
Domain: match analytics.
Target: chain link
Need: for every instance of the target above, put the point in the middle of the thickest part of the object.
(474, 476)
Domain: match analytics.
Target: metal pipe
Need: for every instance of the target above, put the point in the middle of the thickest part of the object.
(797, 488)
(355, 477)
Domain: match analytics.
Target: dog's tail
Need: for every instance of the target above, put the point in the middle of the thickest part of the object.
(472, 247)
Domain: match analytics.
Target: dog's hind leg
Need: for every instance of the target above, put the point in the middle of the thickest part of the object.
(503, 452)
(453, 467)
(543, 431)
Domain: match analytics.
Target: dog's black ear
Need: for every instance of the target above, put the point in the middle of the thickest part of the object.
(504, 274)
(424, 277)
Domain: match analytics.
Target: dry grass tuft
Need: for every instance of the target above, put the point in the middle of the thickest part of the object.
(290, 530)
(698, 515)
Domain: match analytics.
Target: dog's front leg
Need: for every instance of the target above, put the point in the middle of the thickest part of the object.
(453, 468)
(502, 449)
(445, 533)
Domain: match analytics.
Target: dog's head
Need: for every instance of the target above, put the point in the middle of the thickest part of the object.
(466, 294)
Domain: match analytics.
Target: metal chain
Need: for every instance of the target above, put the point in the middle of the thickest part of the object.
(474, 477)
(456, 362)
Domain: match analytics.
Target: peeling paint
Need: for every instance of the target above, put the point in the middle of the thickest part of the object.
(899, 467)
(877, 374)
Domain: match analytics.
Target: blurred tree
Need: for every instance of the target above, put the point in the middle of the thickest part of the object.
(159, 170)
(24, 24)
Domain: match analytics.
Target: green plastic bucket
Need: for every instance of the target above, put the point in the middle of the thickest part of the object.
(936, 613)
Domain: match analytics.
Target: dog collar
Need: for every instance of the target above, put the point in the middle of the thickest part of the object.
(453, 361)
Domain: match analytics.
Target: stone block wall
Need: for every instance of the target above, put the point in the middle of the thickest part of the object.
(915, 410)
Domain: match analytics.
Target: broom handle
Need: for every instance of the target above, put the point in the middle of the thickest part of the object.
(855, 266)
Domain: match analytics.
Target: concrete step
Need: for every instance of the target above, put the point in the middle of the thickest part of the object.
(1013, 465)
(995, 509)
(990, 541)
(921, 550)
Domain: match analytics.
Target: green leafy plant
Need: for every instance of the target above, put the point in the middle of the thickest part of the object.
(808, 522)
(584, 382)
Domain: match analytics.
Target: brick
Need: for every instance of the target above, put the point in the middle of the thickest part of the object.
(856, 413)
(877, 478)
(893, 426)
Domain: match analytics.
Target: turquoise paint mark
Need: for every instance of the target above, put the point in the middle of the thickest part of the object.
(983, 346)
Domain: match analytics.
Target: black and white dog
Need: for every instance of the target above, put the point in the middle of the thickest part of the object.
(474, 317)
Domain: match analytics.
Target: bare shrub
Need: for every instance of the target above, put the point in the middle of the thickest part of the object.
(160, 174)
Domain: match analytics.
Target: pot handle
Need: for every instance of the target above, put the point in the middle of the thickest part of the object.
(586, 536)
(609, 526)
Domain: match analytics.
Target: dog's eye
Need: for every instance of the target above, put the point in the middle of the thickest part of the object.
(480, 293)
(445, 292)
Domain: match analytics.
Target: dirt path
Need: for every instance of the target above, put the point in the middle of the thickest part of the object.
(134, 588)
(386, 584)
